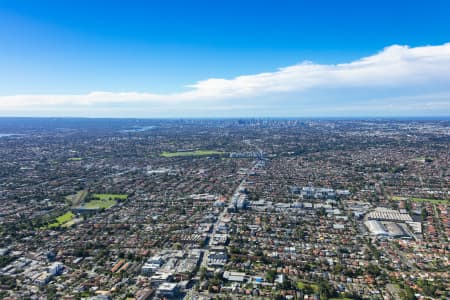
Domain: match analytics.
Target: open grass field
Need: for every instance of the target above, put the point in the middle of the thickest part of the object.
(301, 285)
(72, 222)
(434, 201)
(110, 196)
(422, 200)
(192, 153)
(99, 204)
(104, 201)
(61, 220)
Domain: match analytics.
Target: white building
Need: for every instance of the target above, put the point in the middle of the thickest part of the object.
(55, 268)
(167, 289)
(376, 228)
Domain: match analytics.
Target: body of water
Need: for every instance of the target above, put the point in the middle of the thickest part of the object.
(8, 134)
(138, 129)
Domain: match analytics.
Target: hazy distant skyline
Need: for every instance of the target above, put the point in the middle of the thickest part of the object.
(230, 59)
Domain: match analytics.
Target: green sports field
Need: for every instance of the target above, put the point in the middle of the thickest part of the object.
(422, 200)
(104, 201)
(434, 201)
(99, 204)
(110, 196)
(61, 220)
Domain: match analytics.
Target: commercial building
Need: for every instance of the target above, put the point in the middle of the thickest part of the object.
(376, 228)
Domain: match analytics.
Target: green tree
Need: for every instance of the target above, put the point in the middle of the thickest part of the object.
(325, 290)
(270, 275)
(373, 270)
(407, 293)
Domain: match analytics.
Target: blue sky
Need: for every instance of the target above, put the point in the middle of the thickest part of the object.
(160, 58)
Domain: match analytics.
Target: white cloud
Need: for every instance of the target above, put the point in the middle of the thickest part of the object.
(399, 67)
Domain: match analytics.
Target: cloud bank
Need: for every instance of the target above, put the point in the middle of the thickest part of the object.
(398, 80)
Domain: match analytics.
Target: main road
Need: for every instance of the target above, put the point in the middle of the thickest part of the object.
(220, 219)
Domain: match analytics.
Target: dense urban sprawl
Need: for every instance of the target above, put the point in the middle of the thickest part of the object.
(224, 209)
